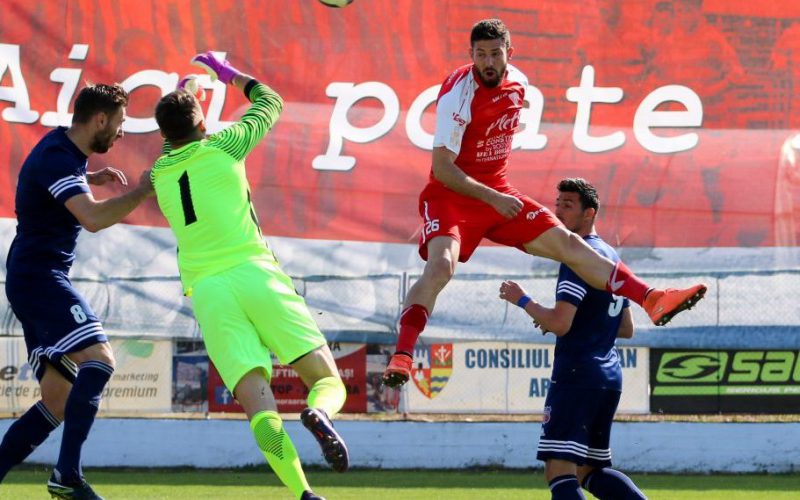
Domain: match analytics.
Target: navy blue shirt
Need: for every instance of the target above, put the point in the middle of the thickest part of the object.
(53, 172)
(586, 355)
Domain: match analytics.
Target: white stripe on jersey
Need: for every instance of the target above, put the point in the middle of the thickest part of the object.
(58, 183)
(574, 448)
(46, 414)
(97, 329)
(453, 113)
(568, 446)
(65, 183)
(33, 359)
(600, 454)
(427, 218)
(75, 336)
(572, 289)
(69, 365)
(98, 365)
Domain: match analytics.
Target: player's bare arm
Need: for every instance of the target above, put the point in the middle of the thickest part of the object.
(557, 319)
(448, 173)
(106, 175)
(626, 327)
(95, 215)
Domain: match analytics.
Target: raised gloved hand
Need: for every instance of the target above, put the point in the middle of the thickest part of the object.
(189, 83)
(216, 68)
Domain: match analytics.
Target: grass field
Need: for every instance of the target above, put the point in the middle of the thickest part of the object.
(138, 484)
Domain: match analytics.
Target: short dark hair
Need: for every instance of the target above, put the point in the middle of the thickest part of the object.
(490, 29)
(175, 115)
(98, 98)
(586, 191)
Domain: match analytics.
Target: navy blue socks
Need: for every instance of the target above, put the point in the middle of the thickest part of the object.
(566, 487)
(82, 405)
(608, 484)
(29, 431)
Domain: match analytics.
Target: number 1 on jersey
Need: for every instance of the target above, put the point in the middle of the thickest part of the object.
(189, 216)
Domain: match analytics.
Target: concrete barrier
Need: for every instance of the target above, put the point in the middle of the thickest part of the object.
(671, 447)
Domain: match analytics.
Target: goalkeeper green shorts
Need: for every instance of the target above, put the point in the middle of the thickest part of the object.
(249, 311)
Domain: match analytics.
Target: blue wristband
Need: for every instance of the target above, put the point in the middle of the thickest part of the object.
(523, 301)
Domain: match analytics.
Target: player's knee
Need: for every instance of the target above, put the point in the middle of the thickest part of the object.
(101, 352)
(439, 270)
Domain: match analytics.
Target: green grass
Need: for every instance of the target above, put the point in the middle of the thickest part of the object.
(387, 485)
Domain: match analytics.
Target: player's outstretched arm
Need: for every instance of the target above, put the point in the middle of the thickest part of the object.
(239, 139)
(448, 173)
(95, 215)
(557, 319)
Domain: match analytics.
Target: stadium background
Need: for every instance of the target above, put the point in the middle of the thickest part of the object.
(336, 182)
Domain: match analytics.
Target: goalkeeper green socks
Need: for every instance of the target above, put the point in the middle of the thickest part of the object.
(279, 451)
(328, 394)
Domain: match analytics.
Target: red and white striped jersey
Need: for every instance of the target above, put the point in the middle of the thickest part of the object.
(478, 123)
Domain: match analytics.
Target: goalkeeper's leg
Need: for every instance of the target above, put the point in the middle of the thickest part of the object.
(326, 397)
(254, 394)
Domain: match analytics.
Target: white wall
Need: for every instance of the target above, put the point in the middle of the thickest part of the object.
(651, 447)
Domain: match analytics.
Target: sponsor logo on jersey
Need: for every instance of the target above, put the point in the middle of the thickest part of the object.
(532, 215)
(506, 123)
(432, 368)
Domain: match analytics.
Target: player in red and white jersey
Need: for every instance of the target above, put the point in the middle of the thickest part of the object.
(468, 198)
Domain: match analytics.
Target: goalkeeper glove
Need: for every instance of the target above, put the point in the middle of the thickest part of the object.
(189, 84)
(216, 68)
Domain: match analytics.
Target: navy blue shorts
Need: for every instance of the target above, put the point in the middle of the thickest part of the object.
(55, 319)
(577, 425)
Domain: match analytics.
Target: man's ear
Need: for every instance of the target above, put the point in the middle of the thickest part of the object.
(100, 120)
(510, 52)
(202, 126)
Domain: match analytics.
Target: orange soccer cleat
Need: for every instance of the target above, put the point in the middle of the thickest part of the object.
(662, 305)
(399, 370)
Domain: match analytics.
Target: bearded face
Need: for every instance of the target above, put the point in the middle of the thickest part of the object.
(104, 138)
(491, 59)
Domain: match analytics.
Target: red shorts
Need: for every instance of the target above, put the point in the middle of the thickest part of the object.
(467, 220)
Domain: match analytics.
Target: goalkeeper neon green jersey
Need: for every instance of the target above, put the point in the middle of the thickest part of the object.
(203, 192)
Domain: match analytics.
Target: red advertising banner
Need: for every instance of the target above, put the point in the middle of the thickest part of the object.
(289, 390)
(681, 113)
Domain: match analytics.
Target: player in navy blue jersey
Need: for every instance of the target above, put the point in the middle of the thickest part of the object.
(67, 348)
(587, 378)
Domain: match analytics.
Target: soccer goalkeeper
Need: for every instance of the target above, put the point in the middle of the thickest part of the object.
(245, 305)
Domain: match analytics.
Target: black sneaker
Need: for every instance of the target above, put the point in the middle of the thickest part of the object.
(309, 495)
(333, 448)
(81, 491)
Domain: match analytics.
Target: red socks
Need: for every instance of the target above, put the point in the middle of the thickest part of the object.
(412, 322)
(623, 282)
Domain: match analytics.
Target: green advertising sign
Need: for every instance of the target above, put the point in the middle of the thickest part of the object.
(729, 380)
